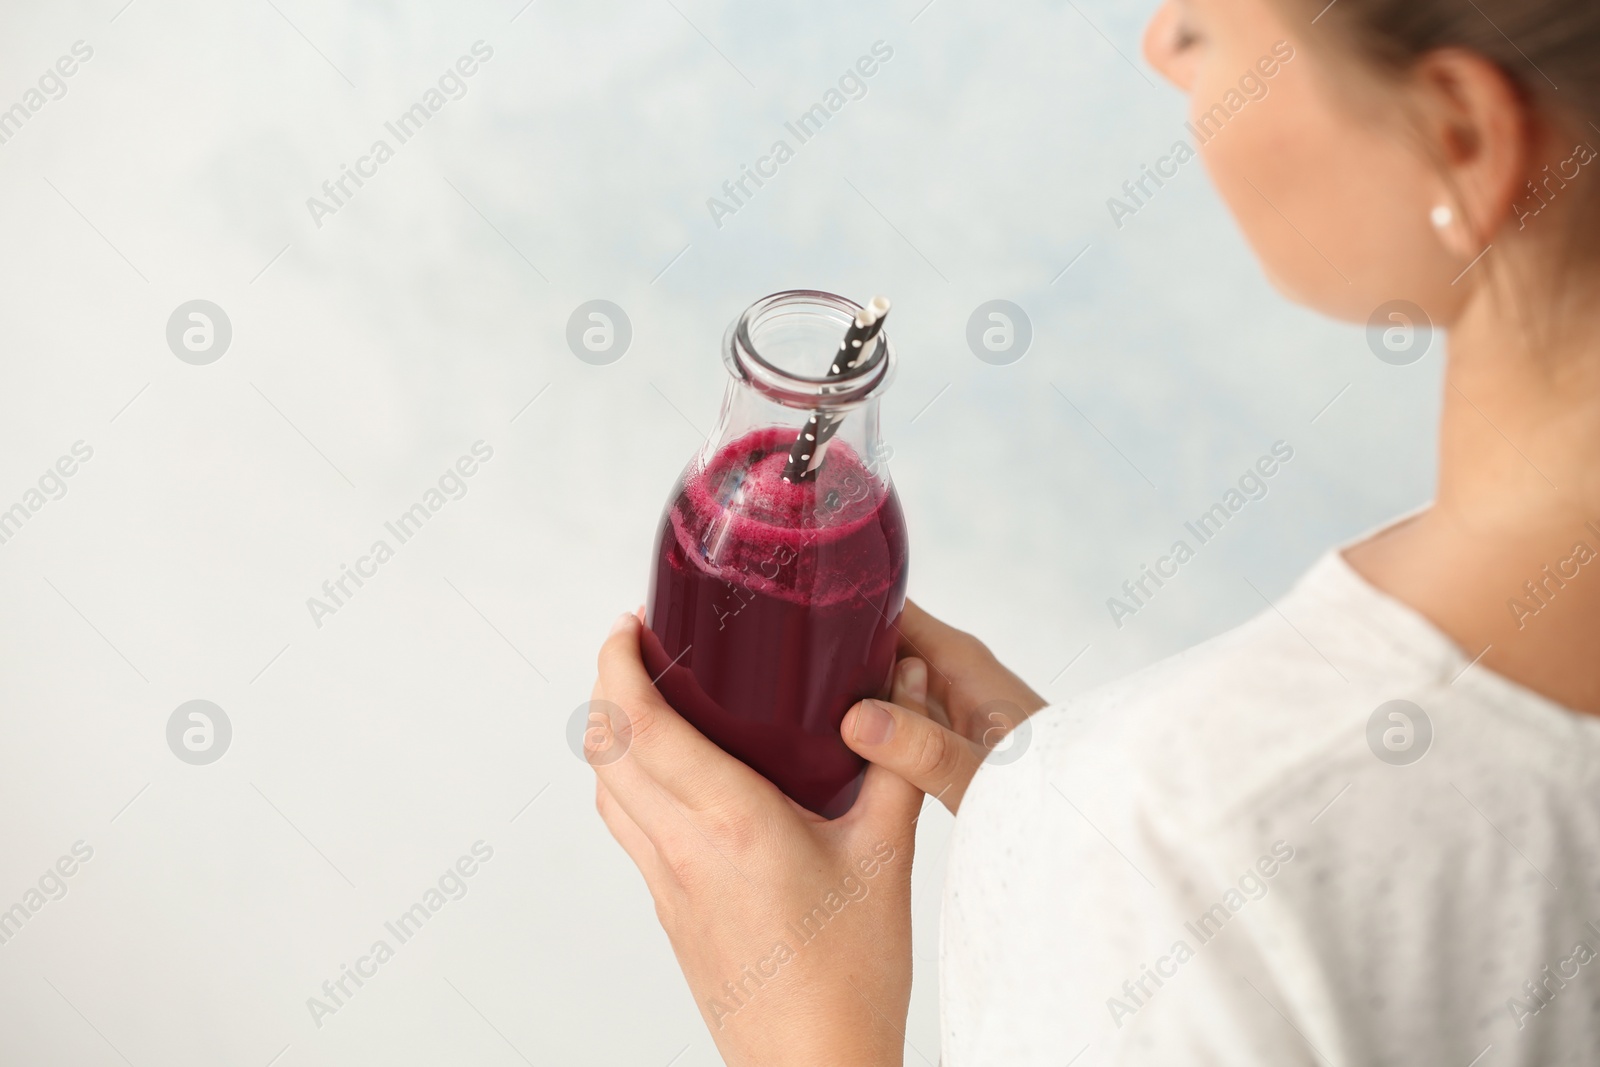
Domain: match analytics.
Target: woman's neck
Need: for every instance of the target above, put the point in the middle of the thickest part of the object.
(1507, 561)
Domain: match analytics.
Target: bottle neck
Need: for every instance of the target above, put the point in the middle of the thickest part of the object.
(784, 345)
(779, 353)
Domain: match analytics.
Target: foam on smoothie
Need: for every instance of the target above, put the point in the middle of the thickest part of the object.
(803, 541)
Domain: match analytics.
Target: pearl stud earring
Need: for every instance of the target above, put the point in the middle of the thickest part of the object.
(1442, 216)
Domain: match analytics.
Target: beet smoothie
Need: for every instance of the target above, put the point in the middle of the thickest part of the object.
(772, 609)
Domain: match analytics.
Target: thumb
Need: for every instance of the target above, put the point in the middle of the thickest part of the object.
(937, 761)
(889, 804)
(886, 809)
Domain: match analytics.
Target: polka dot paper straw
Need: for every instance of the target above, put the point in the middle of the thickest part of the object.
(805, 455)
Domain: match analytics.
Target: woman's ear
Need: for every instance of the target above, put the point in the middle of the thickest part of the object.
(1477, 126)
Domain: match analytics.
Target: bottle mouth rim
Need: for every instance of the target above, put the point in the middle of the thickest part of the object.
(854, 386)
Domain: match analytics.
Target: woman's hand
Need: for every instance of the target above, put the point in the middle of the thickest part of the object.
(952, 704)
(793, 932)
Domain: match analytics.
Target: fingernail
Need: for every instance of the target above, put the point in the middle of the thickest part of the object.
(874, 724)
(623, 622)
(914, 677)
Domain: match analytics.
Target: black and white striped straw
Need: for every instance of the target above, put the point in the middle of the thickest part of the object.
(805, 455)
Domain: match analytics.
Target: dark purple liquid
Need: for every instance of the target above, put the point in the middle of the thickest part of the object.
(772, 610)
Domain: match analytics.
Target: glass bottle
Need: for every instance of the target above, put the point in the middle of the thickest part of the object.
(774, 600)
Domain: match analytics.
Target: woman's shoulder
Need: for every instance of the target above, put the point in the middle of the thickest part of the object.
(1332, 677)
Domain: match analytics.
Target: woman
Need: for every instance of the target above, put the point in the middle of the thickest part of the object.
(1363, 828)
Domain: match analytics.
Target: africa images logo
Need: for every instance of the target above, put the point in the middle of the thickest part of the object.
(1252, 87)
(452, 85)
(852, 85)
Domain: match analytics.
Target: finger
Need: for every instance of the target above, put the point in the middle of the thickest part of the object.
(945, 649)
(911, 690)
(888, 805)
(919, 634)
(917, 628)
(633, 840)
(936, 760)
(666, 758)
(923, 635)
